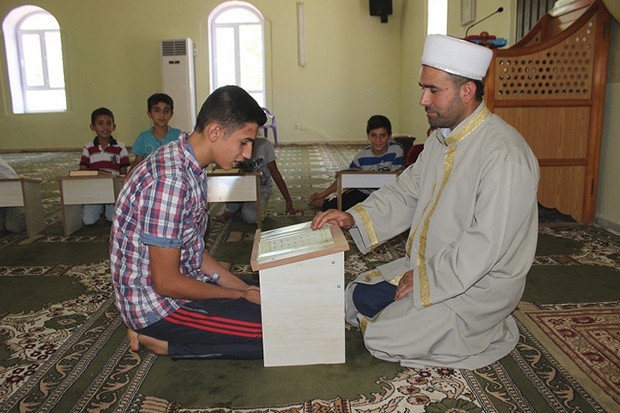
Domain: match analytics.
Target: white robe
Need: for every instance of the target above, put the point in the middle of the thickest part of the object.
(471, 207)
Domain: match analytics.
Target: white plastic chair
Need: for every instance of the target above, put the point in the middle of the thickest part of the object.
(270, 124)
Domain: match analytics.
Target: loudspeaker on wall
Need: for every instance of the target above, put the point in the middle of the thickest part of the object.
(381, 8)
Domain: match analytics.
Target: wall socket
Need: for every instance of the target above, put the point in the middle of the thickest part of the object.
(298, 126)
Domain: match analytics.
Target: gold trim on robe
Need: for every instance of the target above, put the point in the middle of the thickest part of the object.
(363, 323)
(372, 274)
(367, 223)
(450, 142)
(396, 280)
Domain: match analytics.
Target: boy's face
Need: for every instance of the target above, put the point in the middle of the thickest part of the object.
(237, 147)
(160, 114)
(379, 139)
(103, 126)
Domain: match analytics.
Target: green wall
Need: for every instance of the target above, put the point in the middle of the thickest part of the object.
(111, 51)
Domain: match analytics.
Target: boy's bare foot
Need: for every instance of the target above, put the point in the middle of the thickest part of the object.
(154, 345)
(134, 343)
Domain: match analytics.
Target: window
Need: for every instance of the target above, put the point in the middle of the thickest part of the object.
(34, 61)
(437, 22)
(528, 14)
(237, 48)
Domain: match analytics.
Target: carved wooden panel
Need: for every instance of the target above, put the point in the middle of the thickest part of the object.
(563, 71)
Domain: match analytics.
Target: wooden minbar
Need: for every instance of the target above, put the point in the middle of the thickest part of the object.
(551, 87)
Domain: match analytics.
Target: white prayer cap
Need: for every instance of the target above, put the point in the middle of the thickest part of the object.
(456, 56)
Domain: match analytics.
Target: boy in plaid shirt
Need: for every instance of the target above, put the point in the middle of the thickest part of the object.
(175, 298)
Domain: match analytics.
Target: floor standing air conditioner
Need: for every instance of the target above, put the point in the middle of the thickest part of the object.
(178, 80)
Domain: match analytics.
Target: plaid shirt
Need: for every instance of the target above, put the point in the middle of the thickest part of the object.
(162, 203)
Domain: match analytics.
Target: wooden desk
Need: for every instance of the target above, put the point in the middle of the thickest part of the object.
(26, 193)
(78, 190)
(362, 179)
(235, 187)
(302, 304)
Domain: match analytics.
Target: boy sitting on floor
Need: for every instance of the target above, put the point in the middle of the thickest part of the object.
(383, 154)
(263, 161)
(175, 298)
(103, 153)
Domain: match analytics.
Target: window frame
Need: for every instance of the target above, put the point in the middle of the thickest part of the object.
(17, 70)
(437, 17)
(528, 13)
(213, 27)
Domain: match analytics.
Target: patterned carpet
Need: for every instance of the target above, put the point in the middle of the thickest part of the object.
(64, 347)
(585, 337)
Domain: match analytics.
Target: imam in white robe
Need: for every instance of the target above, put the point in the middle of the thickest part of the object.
(470, 203)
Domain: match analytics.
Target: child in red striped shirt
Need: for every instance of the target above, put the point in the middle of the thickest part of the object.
(103, 153)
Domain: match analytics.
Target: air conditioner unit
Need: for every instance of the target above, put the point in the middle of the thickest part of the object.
(178, 80)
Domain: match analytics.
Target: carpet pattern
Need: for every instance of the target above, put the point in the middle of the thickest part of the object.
(63, 345)
(597, 247)
(587, 335)
(49, 352)
(50, 348)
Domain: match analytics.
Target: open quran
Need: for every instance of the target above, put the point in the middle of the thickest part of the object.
(295, 242)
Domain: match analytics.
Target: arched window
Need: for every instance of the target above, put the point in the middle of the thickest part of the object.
(34, 61)
(237, 48)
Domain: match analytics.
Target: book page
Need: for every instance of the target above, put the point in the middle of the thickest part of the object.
(293, 240)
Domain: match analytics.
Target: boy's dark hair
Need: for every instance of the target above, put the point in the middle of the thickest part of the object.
(378, 121)
(232, 107)
(156, 98)
(100, 112)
